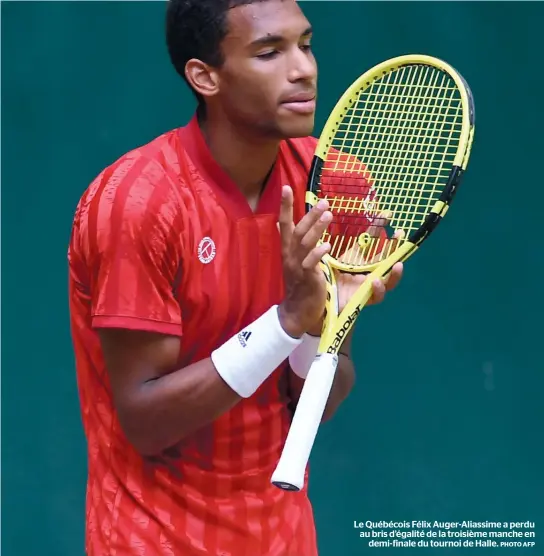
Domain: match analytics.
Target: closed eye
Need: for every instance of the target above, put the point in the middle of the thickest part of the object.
(273, 53)
(267, 55)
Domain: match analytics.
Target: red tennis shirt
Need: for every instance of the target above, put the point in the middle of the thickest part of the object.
(164, 241)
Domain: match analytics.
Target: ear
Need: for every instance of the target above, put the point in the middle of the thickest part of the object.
(202, 77)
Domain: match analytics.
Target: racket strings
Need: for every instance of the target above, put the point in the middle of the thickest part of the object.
(391, 154)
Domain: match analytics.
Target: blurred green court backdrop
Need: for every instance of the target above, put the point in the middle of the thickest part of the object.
(446, 419)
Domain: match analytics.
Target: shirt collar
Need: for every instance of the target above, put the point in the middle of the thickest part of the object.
(195, 145)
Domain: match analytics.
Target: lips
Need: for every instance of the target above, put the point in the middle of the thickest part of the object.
(301, 103)
(305, 96)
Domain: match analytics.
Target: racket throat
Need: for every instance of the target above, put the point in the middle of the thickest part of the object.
(341, 332)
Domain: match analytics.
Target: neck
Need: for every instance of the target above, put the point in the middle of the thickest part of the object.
(247, 160)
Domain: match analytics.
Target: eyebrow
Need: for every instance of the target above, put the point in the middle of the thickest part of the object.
(274, 39)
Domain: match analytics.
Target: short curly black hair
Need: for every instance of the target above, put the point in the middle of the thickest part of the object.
(196, 29)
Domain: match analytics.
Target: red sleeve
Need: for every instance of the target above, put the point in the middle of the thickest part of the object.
(134, 237)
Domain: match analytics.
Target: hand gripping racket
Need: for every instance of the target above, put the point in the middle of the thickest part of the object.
(394, 149)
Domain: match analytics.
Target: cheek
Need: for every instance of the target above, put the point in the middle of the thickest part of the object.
(254, 92)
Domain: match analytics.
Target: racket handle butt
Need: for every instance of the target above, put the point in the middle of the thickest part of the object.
(291, 469)
(287, 486)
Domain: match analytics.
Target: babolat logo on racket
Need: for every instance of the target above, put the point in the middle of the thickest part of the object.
(243, 337)
(343, 331)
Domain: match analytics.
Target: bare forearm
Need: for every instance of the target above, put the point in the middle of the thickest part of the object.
(168, 408)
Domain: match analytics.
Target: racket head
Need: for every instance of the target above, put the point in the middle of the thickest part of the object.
(390, 158)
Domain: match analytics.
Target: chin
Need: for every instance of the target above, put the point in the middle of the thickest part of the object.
(297, 127)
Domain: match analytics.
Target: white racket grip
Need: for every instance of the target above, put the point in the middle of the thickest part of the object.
(289, 473)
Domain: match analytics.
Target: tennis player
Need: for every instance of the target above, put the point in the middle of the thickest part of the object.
(194, 315)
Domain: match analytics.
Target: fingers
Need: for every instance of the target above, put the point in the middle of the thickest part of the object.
(312, 236)
(390, 282)
(285, 221)
(310, 229)
(303, 237)
(309, 220)
(378, 291)
(394, 276)
(315, 255)
(305, 282)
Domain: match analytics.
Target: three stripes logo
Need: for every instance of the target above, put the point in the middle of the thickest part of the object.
(243, 337)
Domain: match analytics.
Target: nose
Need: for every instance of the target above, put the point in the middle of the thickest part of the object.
(302, 66)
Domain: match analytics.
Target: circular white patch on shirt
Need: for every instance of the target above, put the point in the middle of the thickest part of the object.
(206, 250)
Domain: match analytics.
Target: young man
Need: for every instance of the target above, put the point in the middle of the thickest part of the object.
(192, 314)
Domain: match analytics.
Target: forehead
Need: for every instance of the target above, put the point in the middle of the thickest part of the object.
(254, 21)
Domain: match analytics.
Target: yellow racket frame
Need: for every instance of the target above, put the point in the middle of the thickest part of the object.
(345, 102)
(336, 329)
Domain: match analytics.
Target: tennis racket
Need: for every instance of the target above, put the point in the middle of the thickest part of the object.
(392, 154)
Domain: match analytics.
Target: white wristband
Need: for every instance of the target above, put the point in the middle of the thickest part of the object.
(303, 356)
(247, 359)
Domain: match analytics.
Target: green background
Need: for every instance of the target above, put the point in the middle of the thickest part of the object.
(445, 421)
